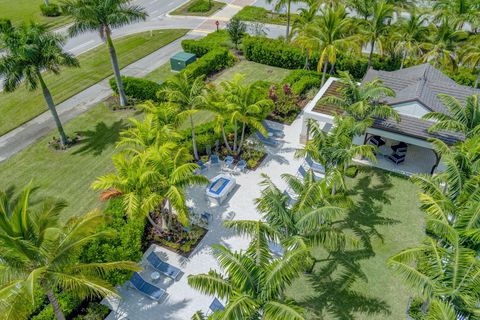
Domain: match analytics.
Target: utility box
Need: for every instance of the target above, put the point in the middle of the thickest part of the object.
(181, 60)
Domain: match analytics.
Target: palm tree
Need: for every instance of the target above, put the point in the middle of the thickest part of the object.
(459, 12)
(363, 8)
(410, 33)
(279, 4)
(39, 254)
(29, 51)
(245, 106)
(253, 282)
(464, 118)
(362, 102)
(377, 26)
(330, 34)
(442, 45)
(103, 16)
(471, 56)
(188, 96)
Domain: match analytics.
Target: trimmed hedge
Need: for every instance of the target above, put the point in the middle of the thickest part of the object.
(137, 88)
(302, 80)
(208, 43)
(52, 10)
(212, 62)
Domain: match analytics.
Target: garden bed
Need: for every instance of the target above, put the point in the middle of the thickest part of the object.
(198, 8)
(258, 14)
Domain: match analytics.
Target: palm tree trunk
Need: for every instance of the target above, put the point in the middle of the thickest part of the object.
(155, 225)
(46, 2)
(235, 137)
(241, 138)
(288, 20)
(324, 72)
(404, 56)
(56, 306)
(194, 142)
(476, 81)
(116, 70)
(307, 64)
(334, 189)
(227, 145)
(371, 55)
(51, 105)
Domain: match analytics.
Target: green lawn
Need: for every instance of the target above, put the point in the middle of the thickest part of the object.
(161, 74)
(357, 284)
(28, 10)
(22, 105)
(253, 72)
(68, 174)
(258, 14)
(184, 10)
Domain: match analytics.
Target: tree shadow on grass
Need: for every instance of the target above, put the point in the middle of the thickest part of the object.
(333, 277)
(97, 140)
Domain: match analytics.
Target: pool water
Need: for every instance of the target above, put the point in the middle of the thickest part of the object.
(218, 185)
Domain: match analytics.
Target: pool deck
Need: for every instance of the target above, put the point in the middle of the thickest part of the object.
(182, 301)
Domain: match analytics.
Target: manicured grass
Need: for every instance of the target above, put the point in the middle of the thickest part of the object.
(68, 174)
(161, 74)
(186, 11)
(358, 284)
(20, 106)
(252, 13)
(19, 11)
(253, 72)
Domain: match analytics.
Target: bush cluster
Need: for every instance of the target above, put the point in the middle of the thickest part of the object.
(200, 6)
(137, 89)
(208, 43)
(68, 303)
(52, 10)
(211, 62)
(301, 80)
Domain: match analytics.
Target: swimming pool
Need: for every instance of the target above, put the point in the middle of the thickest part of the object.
(220, 187)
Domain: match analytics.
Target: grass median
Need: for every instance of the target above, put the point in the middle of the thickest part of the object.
(22, 105)
(27, 10)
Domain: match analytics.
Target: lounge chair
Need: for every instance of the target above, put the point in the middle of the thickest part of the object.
(397, 158)
(202, 167)
(206, 217)
(315, 166)
(241, 165)
(228, 161)
(275, 132)
(163, 267)
(214, 160)
(148, 289)
(400, 148)
(275, 248)
(216, 305)
(303, 173)
(291, 200)
(266, 141)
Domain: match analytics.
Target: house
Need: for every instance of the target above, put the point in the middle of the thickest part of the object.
(403, 146)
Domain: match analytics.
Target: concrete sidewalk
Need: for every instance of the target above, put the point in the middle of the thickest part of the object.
(23, 136)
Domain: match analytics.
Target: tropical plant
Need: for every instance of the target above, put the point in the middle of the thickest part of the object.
(39, 253)
(363, 8)
(236, 30)
(410, 33)
(330, 34)
(375, 28)
(463, 118)
(187, 95)
(29, 51)
(103, 16)
(280, 4)
(458, 12)
(362, 102)
(471, 56)
(254, 282)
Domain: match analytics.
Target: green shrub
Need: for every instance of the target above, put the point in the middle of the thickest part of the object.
(67, 302)
(463, 75)
(295, 75)
(212, 62)
(93, 311)
(208, 43)
(52, 10)
(138, 89)
(200, 6)
(306, 83)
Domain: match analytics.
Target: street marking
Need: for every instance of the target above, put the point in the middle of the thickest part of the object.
(201, 30)
(234, 6)
(219, 18)
(154, 11)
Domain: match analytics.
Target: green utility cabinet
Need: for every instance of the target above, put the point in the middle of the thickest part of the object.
(181, 60)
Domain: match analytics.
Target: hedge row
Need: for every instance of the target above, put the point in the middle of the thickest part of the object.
(137, 88)
(302, 80)
(213, 61)
(208, 43)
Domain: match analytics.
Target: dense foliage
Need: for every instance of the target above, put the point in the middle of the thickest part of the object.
(50, 10)
(302, 80)
(206, 44)
(211, 62)
(137, 89)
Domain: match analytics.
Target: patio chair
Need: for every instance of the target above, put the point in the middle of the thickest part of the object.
(214, 160)
(202, 167)
(275, 132)
(315, 166)
(241, 165)
(397, 158)
(228, 161)
(216, 305)
(400, 148)
(376, 141)
(291, 200)
(206, 217)
(163, 267)
(146, 288)
(303, 173)
(266, 141)
(276, 248)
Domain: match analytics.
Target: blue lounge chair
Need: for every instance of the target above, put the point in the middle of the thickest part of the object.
(275, 132)
(315, 166)
(303, 173)
(266, 141)
(216, 305)
(202, 166)
(291, 200)
(206, 217)
(163, 267)
(276, 248)
(241, 165)
(148, 289)
(228, 161)
(214, 160)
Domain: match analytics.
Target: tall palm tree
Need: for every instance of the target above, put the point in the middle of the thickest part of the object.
(377, 26)
(464, 118)
(39, 254)
(253, 282)
(471, 56)
(442, 45)
(362, 102)
(29, 51)
(362, 8)
(188, 96)
(459, 12)
(330, 34)
(280, 4)
(245, 105)
(103, 16)
(411, 32)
